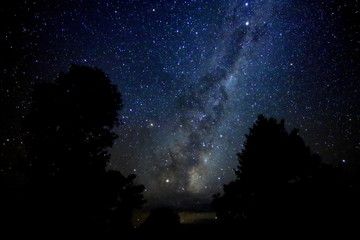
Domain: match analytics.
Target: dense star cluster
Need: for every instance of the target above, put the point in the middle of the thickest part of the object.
(194, 75)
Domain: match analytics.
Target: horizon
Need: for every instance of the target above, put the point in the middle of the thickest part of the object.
(194, 76)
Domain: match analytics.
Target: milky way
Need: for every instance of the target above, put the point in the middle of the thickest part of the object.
(194, 145)
(195, 154)
(194, 75)
(253, 67)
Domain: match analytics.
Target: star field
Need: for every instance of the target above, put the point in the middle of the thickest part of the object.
(194, 75)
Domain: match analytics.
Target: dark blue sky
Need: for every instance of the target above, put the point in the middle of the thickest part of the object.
(195, 74)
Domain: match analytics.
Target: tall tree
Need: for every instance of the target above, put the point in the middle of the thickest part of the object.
(272, 156)
(274, 168)
(69, 132)
(70, 123)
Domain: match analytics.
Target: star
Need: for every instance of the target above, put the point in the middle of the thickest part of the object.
(193, 76)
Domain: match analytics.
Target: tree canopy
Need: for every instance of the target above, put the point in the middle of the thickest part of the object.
(70, 123)
(272, 156)
(278, 179)
(69, 133)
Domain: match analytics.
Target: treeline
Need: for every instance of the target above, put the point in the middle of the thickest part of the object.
(282, 187)
(280, 184)
(68, 133)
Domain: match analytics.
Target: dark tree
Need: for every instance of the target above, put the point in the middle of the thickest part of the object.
(122, 196)
(161, 222)
(69, 132)
(278, 180)
(70, 123)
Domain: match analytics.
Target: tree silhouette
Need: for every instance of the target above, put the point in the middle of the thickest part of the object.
(161, 221)
(279, 181)
(72, 118)
(122, 197)
(69, 132)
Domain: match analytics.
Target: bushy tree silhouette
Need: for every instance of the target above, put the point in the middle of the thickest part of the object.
(271, 156)
(69, 132)
(72, 118)
(161, 222)
(122, 197)
(279, 181)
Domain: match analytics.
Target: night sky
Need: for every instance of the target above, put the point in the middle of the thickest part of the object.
(194, 75)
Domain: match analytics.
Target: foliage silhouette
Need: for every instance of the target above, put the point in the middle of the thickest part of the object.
(279, 183)
(122, 196)
(73, 118)
(161, 221)
(69, 131)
